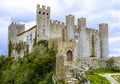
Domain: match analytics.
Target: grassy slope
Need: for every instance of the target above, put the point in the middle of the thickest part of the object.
(95, 78)
(116, 77)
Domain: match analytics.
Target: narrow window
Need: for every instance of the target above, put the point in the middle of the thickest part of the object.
(39, 12)
(43, 13)
(31, 38)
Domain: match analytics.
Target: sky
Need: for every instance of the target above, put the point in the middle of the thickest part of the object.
(95, 12)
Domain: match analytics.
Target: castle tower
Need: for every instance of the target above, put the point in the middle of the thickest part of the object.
(82, 37)
(70, 27)
(43, 22)
(103, 31)
(13, 30)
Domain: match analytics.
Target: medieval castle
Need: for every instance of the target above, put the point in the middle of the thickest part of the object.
(73, 42)
(78, 39)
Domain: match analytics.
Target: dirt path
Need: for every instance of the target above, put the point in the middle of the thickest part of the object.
(110, 78)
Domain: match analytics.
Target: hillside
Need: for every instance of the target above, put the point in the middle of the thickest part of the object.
(34, 68)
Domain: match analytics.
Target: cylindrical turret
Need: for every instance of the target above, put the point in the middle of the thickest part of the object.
(82, 37)
(70, 27)
(82, 24)
(103, 31)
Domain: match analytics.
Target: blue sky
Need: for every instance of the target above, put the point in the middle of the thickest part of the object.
(95, 11)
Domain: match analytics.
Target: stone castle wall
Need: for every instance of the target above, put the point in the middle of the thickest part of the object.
(88, 41)
(56, 29)
(13, 30)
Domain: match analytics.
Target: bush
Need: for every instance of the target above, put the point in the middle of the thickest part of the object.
(31, 69)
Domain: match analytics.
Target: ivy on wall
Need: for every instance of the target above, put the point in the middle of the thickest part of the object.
(93, 47)
(35, 39)
(63, 33)
(10, 48)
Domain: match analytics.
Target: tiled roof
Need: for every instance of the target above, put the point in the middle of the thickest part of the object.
(26, 31)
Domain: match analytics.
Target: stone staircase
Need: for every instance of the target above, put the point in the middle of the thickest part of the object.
(71, 80)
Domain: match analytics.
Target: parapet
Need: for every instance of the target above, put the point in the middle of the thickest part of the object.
(14, 23)
(103, 25)
(70, 20)
(56, 22)
(82, 22)
(91, 30)
(82, 18)
(70, 16)
(43, 7)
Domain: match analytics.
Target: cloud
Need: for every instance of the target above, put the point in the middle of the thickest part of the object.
(4, 22)
(29, 24)
(95, 11)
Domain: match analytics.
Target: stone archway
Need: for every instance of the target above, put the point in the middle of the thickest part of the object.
(69, 55)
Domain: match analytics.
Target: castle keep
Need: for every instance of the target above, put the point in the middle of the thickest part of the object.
(73, 42)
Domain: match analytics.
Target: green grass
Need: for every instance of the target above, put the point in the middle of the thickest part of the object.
(103, 71)
(96, 79)
(116, 77)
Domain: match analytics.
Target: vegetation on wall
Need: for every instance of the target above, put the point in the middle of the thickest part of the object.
(35, 39)
(111, 65)
(19, 46)
(63, 34)
(34, 68)
(93, 47)
(10, 48)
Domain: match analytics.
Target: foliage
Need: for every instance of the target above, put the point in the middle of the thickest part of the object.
(93, 47)
(107, 70)
(31, 69)
(35, 40)
(63, 34)
(110, 63)
(9, 48)
(19, 46)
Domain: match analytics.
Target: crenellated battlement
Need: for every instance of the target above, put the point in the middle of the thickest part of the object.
(91, 30)
(15, 23)
(56, 22)
(70, 16)
(43, 8)
(103, 24)
(81, 23)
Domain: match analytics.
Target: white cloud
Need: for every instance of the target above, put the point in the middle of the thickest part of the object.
(4, 22)
(95, 11)
(28, 25)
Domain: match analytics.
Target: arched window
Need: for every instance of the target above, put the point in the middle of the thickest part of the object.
(69, 55)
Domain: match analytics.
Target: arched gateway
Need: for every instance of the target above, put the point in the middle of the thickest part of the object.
(69, 55)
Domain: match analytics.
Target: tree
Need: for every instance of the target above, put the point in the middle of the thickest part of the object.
(110, 63)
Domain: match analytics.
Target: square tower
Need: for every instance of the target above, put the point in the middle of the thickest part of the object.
(13, 30)
(42, 22)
